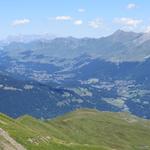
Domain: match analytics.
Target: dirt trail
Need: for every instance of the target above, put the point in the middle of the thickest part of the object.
(10, 143)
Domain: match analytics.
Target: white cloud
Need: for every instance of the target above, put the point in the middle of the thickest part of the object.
(147, 29)
(97, 23)
(131, 6)
(63, 18)
(78, 22)
(81, 10)
(130, 22)
(20, 22)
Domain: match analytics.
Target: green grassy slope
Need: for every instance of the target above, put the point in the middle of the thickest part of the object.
(80, 130)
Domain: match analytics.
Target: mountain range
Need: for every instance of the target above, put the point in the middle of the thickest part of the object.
(46, 78)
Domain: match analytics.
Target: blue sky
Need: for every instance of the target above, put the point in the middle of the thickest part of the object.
(79, 18)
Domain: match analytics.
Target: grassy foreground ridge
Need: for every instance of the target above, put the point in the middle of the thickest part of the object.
(80, 130)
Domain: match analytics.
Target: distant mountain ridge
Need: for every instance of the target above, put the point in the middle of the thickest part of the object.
(27, 38)
(120, 46)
